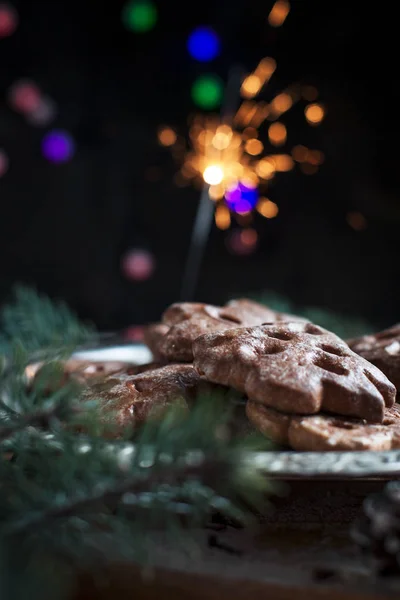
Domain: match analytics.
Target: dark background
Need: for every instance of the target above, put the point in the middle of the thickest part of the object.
(65, 227)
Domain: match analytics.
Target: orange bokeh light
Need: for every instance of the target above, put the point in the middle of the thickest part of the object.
(166, 136)
(222, 217)
(279, 12)
(267, 208)
(251, 86)
(254, 147)
(277, 134)
(314, 113)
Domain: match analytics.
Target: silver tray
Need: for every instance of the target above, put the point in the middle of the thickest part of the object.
(284, 464)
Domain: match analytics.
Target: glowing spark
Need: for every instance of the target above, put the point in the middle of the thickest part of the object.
(314, 113)
(254, 147)
(222, 137)
(277, 134)
(213, 175)
(265, 169)
(222, 217)
(267, 209)
(216, 192)
(279, 12)
(282, 162)
(280, 104)
(251, 86)
(233, 160)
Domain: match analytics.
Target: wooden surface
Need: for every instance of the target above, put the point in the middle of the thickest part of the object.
(300, 550)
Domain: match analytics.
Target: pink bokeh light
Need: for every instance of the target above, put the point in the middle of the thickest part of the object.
(4, 162)
(24, 96)
(8, 20)
(138, 265)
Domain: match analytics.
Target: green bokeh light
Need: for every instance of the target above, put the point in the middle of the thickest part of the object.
(139, 16)
(207, 91)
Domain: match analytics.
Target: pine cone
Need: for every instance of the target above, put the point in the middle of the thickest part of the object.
(377, 531)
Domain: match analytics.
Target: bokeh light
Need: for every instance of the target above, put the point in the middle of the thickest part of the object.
(213, 174)
(138, 264)
(207, 91)
(4, 162)
(222, 217)
(281, 162)
(139, 16)
(249, 133)
(251, 86)
(279, 12)
(231, 158)
(267, 208)
(58, 146)
(281, 103)
(314, 113)
(8, 20)
(356, 220)
(265, 168)
(216, 192)
(242, 242)
(241, 198)
(43, 114)
(222, 137)
(166, 136)
(253, 147)
(277, 134)
(203, 44)
(134, 333)
(300, 153)
(24, 96)
(315, 157)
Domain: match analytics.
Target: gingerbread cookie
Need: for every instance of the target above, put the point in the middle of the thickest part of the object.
(129, 399)
(295, 368)
(383, 350)
(137, 369)
(322, 432)
(270, 422)
(183, 322)
(152, 335)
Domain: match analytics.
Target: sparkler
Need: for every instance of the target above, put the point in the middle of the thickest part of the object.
(229, 156)
(234, 163)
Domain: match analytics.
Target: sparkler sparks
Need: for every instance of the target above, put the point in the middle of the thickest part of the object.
(237, 158)
(230, 156)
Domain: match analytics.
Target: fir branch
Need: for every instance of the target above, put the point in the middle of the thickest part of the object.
(40, 324)
(176, 464)
(75, 496)
(207, 471)
(41, 418)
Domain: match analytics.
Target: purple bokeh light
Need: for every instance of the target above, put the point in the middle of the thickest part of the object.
(241, 198)
(58, 146)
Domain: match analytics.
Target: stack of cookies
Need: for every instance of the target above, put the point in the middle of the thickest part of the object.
(304, 387)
